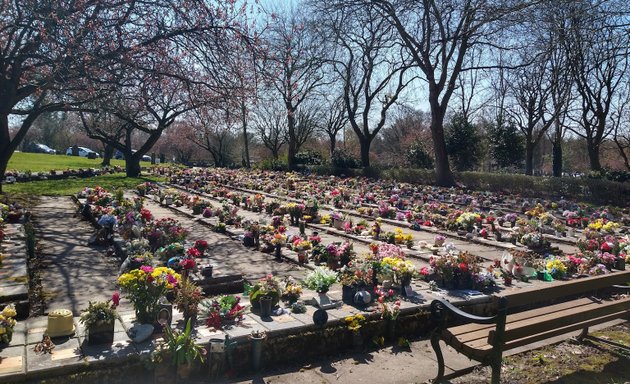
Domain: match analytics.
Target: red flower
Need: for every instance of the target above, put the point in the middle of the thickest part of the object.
(606, 247)
(116, 299)
(188, 263)
(463, 267)
(193, 252)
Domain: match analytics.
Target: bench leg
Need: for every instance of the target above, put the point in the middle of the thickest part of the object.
(435, 343)
(496, 371)
(583, 334)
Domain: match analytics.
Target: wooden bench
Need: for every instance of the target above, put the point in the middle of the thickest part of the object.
(515, 324)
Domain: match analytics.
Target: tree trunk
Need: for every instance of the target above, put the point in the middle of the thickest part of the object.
(333, 143)
(529, 158)
(557, 156)
(593, 156)
(365, 142)
(292, 140)
(443, 175)
(5, 152)
(132, 166)
(108, 153)
(245, 138)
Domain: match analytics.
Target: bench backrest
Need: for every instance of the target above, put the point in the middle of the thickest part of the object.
(550, 292)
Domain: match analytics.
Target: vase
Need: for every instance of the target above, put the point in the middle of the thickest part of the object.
(302, 258)
(278, 252)
(620, 263)
(207, 271)
(101, 333)
(391, 329)
(357, 340)
(257, 343)
(266, 303)
(147, 315)
(347, 293)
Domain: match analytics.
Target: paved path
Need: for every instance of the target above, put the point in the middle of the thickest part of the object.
(227, 253)
(73, 272)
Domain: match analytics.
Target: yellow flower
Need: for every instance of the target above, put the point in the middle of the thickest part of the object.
(9, 311)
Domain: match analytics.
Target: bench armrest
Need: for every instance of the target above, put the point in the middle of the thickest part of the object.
(622, 287)
(438, 306)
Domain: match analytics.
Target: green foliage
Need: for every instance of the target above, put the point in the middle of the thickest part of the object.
(309, 158)
(272, 165)
(42, 162)
(507, 146)
(612, 175)
(71, 186)
(102, 311)
(463, 143)
(418, 157)
(181, 347)
(343, 159)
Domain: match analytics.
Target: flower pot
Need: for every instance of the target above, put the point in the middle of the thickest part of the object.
(207, 271)
(164, 373)
(101, 333)
(302, 258)
(391, 330)
(620, 264)
(266, 304)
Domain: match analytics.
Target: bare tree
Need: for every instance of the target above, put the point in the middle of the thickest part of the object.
(293, 66)
(540, 91)
(439, 34)
(306, 124)
(214, 130)
(620, 119)
(334, 120)
(597, 45)
(270, 124)
(373, 67)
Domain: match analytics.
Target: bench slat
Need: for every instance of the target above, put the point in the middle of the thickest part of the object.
(563, 330)
(566, 317)
(565, 288)
(473, 331)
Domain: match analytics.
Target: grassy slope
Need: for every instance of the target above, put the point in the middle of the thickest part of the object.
(41, 162)
(73, 185)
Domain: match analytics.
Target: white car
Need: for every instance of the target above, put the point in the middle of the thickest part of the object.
(83, 152)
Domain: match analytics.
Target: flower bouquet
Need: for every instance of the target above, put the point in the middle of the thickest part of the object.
(320, 279)
(222, 311)
(268, 286)
(145, 286)
(7, 322)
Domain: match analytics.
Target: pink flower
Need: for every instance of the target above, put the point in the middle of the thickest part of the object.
(171, 279)
(116, 299)
(146, 269)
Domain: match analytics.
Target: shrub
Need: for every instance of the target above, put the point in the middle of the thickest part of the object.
(309, 158)
(343, 159)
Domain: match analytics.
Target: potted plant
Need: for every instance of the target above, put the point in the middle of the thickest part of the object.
(223, 310)
(320, 280)
(187, 299)
(99, 319)
(179, 350)
(265, 294)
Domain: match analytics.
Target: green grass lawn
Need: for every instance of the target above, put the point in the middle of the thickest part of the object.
(73, 185)
(42, 162)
